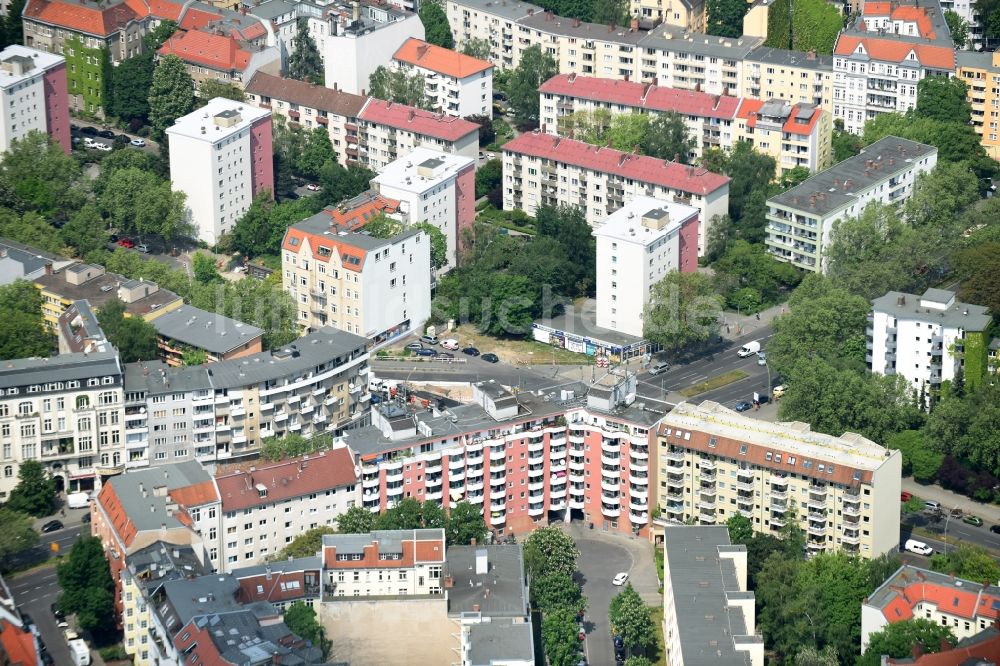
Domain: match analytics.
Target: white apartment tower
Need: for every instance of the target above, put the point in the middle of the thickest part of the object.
(33, 91)
(220, 158)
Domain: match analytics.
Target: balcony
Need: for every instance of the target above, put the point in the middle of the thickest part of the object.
(816, 529)
(706, 506)
(676, 456)
(744, 486)
(639, 479)
(610, 445)
(536, 509)
(497, 455)
(498, 505)
(852, 510)
(610, 511)
(708, 465)
(638, 517)
(816, 504)
(557, 505)
(637, 466)
(851, 537)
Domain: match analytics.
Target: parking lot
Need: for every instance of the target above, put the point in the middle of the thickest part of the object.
(102, 138)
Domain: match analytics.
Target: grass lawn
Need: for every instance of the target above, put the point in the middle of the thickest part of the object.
(516, 350)
(658, 653)
(713, 383)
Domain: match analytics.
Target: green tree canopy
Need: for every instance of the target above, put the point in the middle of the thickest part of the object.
(919, 459)
(725, 17)
(306, 544)
(534, 69)
(683, 310)
(896, 640)
(293, 445)
(22, 332)
(209, 90)
(133, 337)
(815, 26)
(439, 244)
(35, 492)
(305, 62)
(396, 85)
(171, 94)
(436, 28)
(958, 27)
(383, 226)
(356, 520)
(41, 179)
(85, 231)
(465, 523)
(488, 177)
(300, 617)
(140, 202)
(629, 617)
(969, 562)
(943, 98)
(559, 637)
(262, 228)
(130, 83)
(477, 48)
(17, 534)
(667, 138)
(550, 550)
(87, 587)
(740, 529)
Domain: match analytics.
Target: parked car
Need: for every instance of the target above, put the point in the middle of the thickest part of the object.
(995, 529)
(620, 579)
(89, 130)
(470, 351)
(312, 187)
(126, 243)
(973, 520)
(56, 613)
(73, 127)
(918, 547)
(85, 519)
(142, 247)
(429, 339)
(423, 351)
(138, 143)
(742, 406)
(450, 344)
(52, 526)
(932, 505)
(779, 391)
(89, 142)
(491, 358)
(103, 147)
(761, 358)
(905, 496)
(443, 354)
(414, 346)
(107, 134)
(657, 368)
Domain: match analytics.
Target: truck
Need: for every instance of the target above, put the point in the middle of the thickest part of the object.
(749, 349)
(78, 500)
(79, 651)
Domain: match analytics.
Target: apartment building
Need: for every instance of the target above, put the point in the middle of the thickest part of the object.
(266, 506)
(188, 329)
(881, 57)
(66, 413)
(363, 38)
(685, 14)
(673, 56)
(224, 410)
(981, 73)
(964, 606)
(793, 76)
(434, 187)
(79, 331)
(389, 131)
(706, 603)
(340, 276)
(220, 158)
(795, 135)
(24, 262)
(34, 95)
(310, 106)
(231, 56)
(842, 491)
(62, 288)
(384, 563)
(799, 220)
(928, 338)
(454, 83)
(282, 582)
(526, 459)
(636, 247)
(541, 169)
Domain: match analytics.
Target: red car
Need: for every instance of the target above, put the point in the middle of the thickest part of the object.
(905, 496)
(126, 243)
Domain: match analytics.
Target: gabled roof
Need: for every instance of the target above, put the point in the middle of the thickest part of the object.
(418, 121)
(219, 52)
(18, 645)
(642, 168)
(91, 20)
(438, 59)
(891, 50)
(321, 98)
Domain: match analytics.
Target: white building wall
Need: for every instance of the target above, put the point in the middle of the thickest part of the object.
(350, 60)
(436, 205)
(622, 285)
(397, 287)
(23, 109)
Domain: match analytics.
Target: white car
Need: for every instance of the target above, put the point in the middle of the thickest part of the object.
(103, 147)
(620, 579)
(918, 547)
(138, 143)
(451, 344)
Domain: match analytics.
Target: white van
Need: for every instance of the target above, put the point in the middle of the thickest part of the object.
(918, 547)
(78, 500)
(749, 349)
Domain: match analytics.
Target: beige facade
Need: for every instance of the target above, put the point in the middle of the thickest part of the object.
(685, 14)
(789, 75)
(843, 492)
(981, 73)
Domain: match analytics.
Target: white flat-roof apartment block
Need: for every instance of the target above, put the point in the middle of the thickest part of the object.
(339, 276)
(220, 158)
(842, 491)
(540, 169)
(66, 413)
(364, 40)
(636, 247)
(916, 336)
(434, 187)
(708, 612)
(34, 96)
(454, 83)
(799, 220)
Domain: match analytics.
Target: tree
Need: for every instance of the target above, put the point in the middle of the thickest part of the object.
(725, 17)
(383, 226)
(465, 523)
(919, 459)
(41, 178)
(609, 12)
(130, 83)
(629, 617)
(627, 132)
(339, 183)
(203, 266)
(35, 492)
(300, 618)
(845, 144)
(549, 550)
(396, 85)
(262, 228)
(740, 529)
(810, 656)
(556, 590)
(85, 231)
(638, 660)
(436, 28)
(968, 562)
(683, 310)
(488, 177)
(958, 27)
(17, 534)
(477, 48)
(534, 69)
(140, 202)
(315, 153)
(306, 544)
(439, 244)
(568, 225)
(559, 637)
(292, 445)
(87, 587)
(305, 62)
(815, 26)
(22, 332)
(667, 138)
(133, 337)
(748, 277)
(13, 30)
(944, 99)
(171, 94)
(989, 13)
(897, 639)
(749, 171)
(356, 520)
(939, 198)
(405, 515)
(192, 356)
(209, 90)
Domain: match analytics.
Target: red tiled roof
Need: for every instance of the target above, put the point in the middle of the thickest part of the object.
(971, 652)
(905, 13)
(18, 645)
(951, 600)
(643, 95)
(410, 119)
(348, 219)
(117, 515)
(196, 495)
(81, 18)
(607, 160)
(890, 50)
(419, 53)
(219, 52)
(793, 126)
(414, 551)
(291, 478)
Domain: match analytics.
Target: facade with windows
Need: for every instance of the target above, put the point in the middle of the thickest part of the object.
(843, 492)
(384, 563)
(981, 73)
(65, 412)
(454, 83)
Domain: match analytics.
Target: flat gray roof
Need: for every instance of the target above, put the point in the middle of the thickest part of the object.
(779, 57)
(977, 59)
(149, 511)
(512, 11)
(321, 223)
(701, 580)
(960, 315)
(31, 259)
(500, 641)
(837, 187)
(157, 378)
(500, 592)
(20, 372)
(212, 332)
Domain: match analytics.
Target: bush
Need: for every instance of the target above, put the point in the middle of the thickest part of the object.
(113, 653)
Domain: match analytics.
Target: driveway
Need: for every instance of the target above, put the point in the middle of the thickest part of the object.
(602, 555)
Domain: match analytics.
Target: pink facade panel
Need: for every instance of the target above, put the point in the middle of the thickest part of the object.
(261, 156)
(57, 106)
(465, 203)
(688, 246)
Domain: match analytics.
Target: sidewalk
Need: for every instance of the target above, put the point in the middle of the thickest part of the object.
(988, 512)
(735, 325)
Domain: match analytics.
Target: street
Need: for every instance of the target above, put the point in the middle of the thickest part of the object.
(977, 536)
(34, 593)
(42, 551)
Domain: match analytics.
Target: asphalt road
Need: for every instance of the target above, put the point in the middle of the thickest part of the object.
(42, 551)
(979, 536)
(34, 593)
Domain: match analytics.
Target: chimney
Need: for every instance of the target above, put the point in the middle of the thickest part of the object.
(482, 562)
(531, 12)
(356, 10)
(634, 25)
(576, 24)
